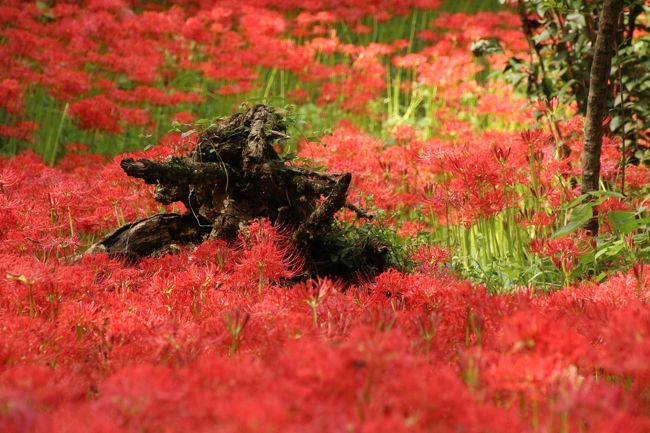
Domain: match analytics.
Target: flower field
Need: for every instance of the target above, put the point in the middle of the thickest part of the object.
(500, 315)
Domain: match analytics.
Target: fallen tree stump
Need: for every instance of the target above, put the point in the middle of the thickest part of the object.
(234, 176)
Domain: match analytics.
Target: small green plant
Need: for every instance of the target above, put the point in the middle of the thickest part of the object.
(30, 291)
(428, 327)
(235, 322)
(316, 293)
(627, 242)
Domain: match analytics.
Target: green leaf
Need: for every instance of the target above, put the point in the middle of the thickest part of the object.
(546, 34)
(580, 215)
(576, 201)
(587, 258)
(600, 277)
(624, 221)
(597, 196)
(614, 249)
(602, 250)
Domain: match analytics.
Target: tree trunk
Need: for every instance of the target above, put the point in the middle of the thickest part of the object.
(597, 99)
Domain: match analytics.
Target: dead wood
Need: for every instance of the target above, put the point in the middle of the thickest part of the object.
(233, 176)
(150, 236)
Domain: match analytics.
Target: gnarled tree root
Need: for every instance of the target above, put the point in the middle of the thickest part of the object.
(234, 176)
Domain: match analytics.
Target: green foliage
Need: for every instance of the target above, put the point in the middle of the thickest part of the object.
(631, 110)
(626, 242)
(348, 241)
(561, 37)
(496, 252)
(560, 45)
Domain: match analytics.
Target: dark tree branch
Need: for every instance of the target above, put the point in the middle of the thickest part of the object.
(360, 212)
(178, 171)
(324, 214)
(151, 236)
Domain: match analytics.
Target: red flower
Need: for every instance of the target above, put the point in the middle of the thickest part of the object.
(22, 131)
(268, 256)
(98, 113)
(11, 98)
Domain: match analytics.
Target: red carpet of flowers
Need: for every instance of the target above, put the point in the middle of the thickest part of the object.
(189, 342)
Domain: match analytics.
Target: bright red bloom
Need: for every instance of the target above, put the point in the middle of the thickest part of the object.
(98, 113)
(11, 98)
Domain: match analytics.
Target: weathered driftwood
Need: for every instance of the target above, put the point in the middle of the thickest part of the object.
(233, 176)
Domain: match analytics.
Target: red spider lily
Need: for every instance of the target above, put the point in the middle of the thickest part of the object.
(66, 84)
(314, 294)
(206, 339)
(409, 60)
(267, 256)
(11, 96)
(22, 131)
(501, 154)
(432, 260)
(97, 113)
(624, 343)
(563, 251)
